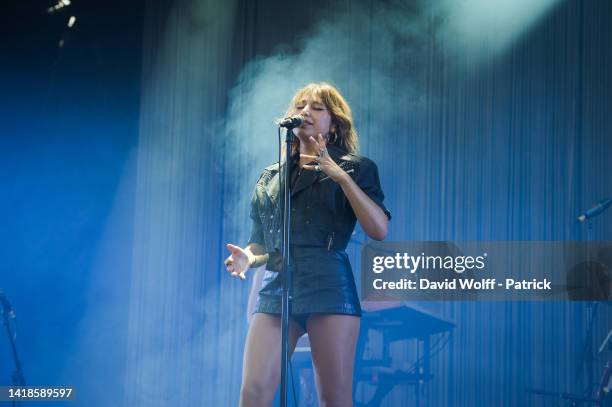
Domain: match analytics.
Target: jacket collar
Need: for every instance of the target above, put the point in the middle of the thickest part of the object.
(305, 179)
(309, 177)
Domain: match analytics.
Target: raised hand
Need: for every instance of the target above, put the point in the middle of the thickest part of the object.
(324, 161)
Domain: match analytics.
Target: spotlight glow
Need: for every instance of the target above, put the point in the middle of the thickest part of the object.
(476, 27)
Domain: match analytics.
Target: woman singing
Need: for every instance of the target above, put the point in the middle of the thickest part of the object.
(332, 188)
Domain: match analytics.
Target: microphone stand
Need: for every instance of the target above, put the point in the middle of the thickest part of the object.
(591, 312)
(286, 269)
(7, 314)
(588, 359)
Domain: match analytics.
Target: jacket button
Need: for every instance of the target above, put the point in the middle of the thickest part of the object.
(308, 222)
(279, 230)
(271, 230)
(271, 216)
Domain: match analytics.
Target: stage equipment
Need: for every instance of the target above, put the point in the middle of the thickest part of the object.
(601, 396)
(596, 210)
(588, 280)
(397, 321)
(8, 316)
(591, 306)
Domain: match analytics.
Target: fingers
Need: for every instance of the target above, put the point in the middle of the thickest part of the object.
(315, 141)
(314, 157)
(232, 270)
(232, 248)
(240, 275)
(323, 145)
(320, 143)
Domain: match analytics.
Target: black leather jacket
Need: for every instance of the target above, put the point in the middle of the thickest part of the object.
(321, 215)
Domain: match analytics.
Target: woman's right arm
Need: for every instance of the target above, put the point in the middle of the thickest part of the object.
(240, 260)
(254, 254)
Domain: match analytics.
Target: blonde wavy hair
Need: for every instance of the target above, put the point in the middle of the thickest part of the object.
(339, 110)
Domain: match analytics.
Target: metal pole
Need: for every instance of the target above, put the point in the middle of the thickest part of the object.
(286, 269)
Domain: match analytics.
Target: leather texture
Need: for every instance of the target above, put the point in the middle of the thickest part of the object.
(323, 282)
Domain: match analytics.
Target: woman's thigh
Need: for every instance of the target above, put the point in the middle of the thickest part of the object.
(261, 364)
(333, 339)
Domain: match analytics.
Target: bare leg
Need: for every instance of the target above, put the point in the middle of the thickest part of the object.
(261, 364)
(333, 339)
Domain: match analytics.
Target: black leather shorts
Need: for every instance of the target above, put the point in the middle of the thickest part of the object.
(323, 282)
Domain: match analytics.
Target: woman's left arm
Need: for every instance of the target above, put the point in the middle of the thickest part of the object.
(371, 217)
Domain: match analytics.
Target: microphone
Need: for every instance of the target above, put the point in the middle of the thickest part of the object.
(291, 121)
(596, 210)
